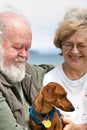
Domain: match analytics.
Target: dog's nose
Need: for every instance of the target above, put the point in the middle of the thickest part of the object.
(72, 108)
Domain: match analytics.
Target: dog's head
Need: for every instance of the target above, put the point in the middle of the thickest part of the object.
(54, 94)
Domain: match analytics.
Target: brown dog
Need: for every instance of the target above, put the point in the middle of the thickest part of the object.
(43, 114)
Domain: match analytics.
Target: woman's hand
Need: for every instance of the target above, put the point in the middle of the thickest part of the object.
(84, 127)
(69, 125)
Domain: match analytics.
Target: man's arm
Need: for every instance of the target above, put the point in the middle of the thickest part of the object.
(39, 71)
(7, 120)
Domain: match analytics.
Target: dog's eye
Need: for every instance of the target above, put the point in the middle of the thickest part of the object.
(63, 95)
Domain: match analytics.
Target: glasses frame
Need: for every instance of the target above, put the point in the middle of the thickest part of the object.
(69, 46)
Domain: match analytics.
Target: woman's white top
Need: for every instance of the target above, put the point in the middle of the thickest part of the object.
(76, 93)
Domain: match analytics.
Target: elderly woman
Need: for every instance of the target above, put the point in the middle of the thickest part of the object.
(71, 38)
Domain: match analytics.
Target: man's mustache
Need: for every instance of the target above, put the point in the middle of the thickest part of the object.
(20, 59)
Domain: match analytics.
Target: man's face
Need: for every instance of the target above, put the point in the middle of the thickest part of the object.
(15, 52)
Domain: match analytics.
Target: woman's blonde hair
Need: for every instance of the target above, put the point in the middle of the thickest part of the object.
(74, 20)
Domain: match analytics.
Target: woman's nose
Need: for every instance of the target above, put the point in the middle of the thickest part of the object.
(75, 49)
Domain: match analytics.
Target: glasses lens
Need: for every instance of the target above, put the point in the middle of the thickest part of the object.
(67, 46)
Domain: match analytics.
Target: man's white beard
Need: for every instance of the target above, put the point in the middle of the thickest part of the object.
(13, 73)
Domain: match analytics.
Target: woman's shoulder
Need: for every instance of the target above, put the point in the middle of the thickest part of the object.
(51, 75)
(55, 70)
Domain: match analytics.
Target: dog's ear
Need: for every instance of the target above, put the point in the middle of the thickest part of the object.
(49, 93)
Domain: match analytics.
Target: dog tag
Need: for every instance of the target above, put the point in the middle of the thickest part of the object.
(47, 123)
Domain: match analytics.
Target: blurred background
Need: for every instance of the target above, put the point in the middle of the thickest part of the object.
(44, 16)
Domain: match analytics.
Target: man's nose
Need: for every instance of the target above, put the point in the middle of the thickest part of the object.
(23, 53)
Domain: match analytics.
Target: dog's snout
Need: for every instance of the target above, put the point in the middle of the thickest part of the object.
(72, 108)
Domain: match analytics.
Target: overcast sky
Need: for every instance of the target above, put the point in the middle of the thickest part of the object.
(44, 16)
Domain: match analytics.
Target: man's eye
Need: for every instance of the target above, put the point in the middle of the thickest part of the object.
(16, 48)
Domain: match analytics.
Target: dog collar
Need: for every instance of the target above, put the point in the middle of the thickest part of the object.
(49, 116)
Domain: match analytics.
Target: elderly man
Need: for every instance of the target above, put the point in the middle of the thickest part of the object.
(19, 81)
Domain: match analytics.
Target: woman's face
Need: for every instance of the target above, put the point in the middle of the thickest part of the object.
(74, 50)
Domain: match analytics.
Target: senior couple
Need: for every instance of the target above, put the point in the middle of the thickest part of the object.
(21, 81)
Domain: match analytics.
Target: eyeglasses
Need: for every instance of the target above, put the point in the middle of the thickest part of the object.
(69, 46)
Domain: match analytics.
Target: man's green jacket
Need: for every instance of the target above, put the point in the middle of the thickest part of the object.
(13, 97)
